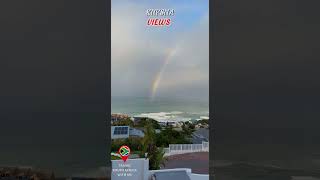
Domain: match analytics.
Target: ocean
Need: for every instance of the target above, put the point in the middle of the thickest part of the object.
(175, 108)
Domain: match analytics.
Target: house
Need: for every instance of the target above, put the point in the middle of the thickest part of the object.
(118, 117)
(136, 132)
(123, 132)
(119, 132)
(168, 123)
(137, 119)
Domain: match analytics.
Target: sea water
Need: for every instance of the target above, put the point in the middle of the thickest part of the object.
(174, 108)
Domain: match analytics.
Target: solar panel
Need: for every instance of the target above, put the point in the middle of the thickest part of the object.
(120, 130)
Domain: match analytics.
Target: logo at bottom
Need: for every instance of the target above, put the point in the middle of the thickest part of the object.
(124, 152)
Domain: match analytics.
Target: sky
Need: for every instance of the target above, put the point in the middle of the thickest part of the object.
(139, 53)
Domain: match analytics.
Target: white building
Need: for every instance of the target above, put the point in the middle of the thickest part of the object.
(138, 169)
(168, 123)
(119, 132)
(136, 132)
(123, 132)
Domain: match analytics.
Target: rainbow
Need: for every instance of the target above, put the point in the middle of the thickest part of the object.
(157, 79)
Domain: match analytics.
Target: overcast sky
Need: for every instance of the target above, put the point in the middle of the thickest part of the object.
(139, 52)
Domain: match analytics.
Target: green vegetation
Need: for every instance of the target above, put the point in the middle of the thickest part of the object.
(144, 121)
(202, 122)
(149, 147)
(156, 158)
(170, 136)
(167, 136)
(152, 143)
(188, 129)
(115, 158)
(123, 122)
(133, 142)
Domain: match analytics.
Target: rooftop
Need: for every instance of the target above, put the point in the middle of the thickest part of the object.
(198, 162)
(171, 175)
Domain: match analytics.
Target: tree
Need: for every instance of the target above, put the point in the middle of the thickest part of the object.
(148, 139)
(133, 142)
(144, 121)
(188, 129)
(123, 122)
(156, 158)
(170, 136)
(155, 154)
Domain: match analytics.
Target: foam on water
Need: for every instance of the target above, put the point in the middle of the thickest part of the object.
(162, 116)
(170, 116)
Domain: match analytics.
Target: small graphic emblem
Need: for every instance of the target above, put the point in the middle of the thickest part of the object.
(124, 152)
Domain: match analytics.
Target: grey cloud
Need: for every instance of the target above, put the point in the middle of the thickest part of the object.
(138, 54)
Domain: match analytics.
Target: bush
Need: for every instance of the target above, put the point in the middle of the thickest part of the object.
(171, 136)
(133, 143)
(144, 121)
(123, 122)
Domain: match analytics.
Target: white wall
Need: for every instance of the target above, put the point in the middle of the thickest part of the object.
(141, 167)
(142, 170)
(199, 176)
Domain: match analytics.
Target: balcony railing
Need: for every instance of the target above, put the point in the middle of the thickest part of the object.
(186, 148)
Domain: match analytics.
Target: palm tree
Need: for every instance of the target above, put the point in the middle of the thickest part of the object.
(154, 153)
